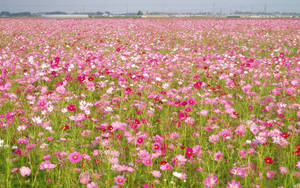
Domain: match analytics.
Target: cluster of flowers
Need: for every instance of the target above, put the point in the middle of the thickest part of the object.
(150, 102)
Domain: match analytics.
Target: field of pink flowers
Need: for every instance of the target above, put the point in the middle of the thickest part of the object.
(150, 103)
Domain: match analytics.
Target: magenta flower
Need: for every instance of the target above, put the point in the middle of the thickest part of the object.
(75, 157)
(156, 146)
(140, 140)
(189, 152)
(191, 101)
(71, 108)
(25, 171)
(120, 180)
(198, 85)
(218, 156)
(81, 78)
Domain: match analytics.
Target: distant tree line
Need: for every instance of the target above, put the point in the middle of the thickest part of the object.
(18, 14)
(267, 13)
(140, 13)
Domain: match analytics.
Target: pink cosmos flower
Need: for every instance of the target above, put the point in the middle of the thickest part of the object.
(71, 107)
(213, 138)
(81, 78)
(147, 161)
(240, 130)
(204, 112)
(191, 101)
(68, 77)
(25, 171)
(140, 140)
(189, 152)
(238, 171)
(283, 170)
(210, 181)
(174, 135)
(198, 85)
(143, 154)
(23, 141)
(270, 174)
(120, 180)
(30, 146)
(47, 157)
(60, 89)
(233, 184)
(85, 177)
(47, 165)
(96, 152)
(242, 153)
(114, 160)
(166, 166)
(75, 157)
(218, 156)
(14, 170)
(188, 109)
(156, 146)
(92, 185)
(180, 160)
(86, 157)
(298, 164)
(156, 173)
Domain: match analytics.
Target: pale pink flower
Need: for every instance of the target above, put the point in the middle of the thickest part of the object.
(92, 185)
(298, 164)
(60, 89)
(210, 181)
(85, 177)
(283, 170)
(233, 184)
(25, 171)
(156, 173)
(213, 138)
(204, 112)
(47, 165)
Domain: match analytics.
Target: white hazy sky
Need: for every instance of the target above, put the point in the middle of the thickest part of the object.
(119, 6)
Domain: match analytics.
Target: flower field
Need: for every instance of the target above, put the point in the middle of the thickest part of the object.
(150, 103)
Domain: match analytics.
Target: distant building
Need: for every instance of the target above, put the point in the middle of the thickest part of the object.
(65, 15)
(155, 16)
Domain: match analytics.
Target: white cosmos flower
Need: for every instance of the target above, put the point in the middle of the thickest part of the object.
(1, 143)
(177, 174)
(21, 128)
